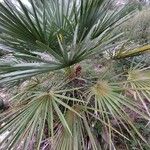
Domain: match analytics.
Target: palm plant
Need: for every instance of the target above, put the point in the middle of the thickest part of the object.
(57, 104)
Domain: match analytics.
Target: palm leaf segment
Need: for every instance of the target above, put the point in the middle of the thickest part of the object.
(39, 105)
(46, 110)
(66, 30)
(139, 86)
(110, 105)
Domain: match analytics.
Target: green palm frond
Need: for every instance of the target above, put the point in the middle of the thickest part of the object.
(68, 31)
(47, 108)
(82, 135)
(110, 105)
(38, 102)
(138, 84)
(54, 103)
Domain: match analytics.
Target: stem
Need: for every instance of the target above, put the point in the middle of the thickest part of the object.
(133, 52)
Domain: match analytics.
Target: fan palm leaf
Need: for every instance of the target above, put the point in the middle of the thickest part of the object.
(82, 136)
(110, 105)
(47, 37)
(139, 85)
(30, 111)
(68, 31)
